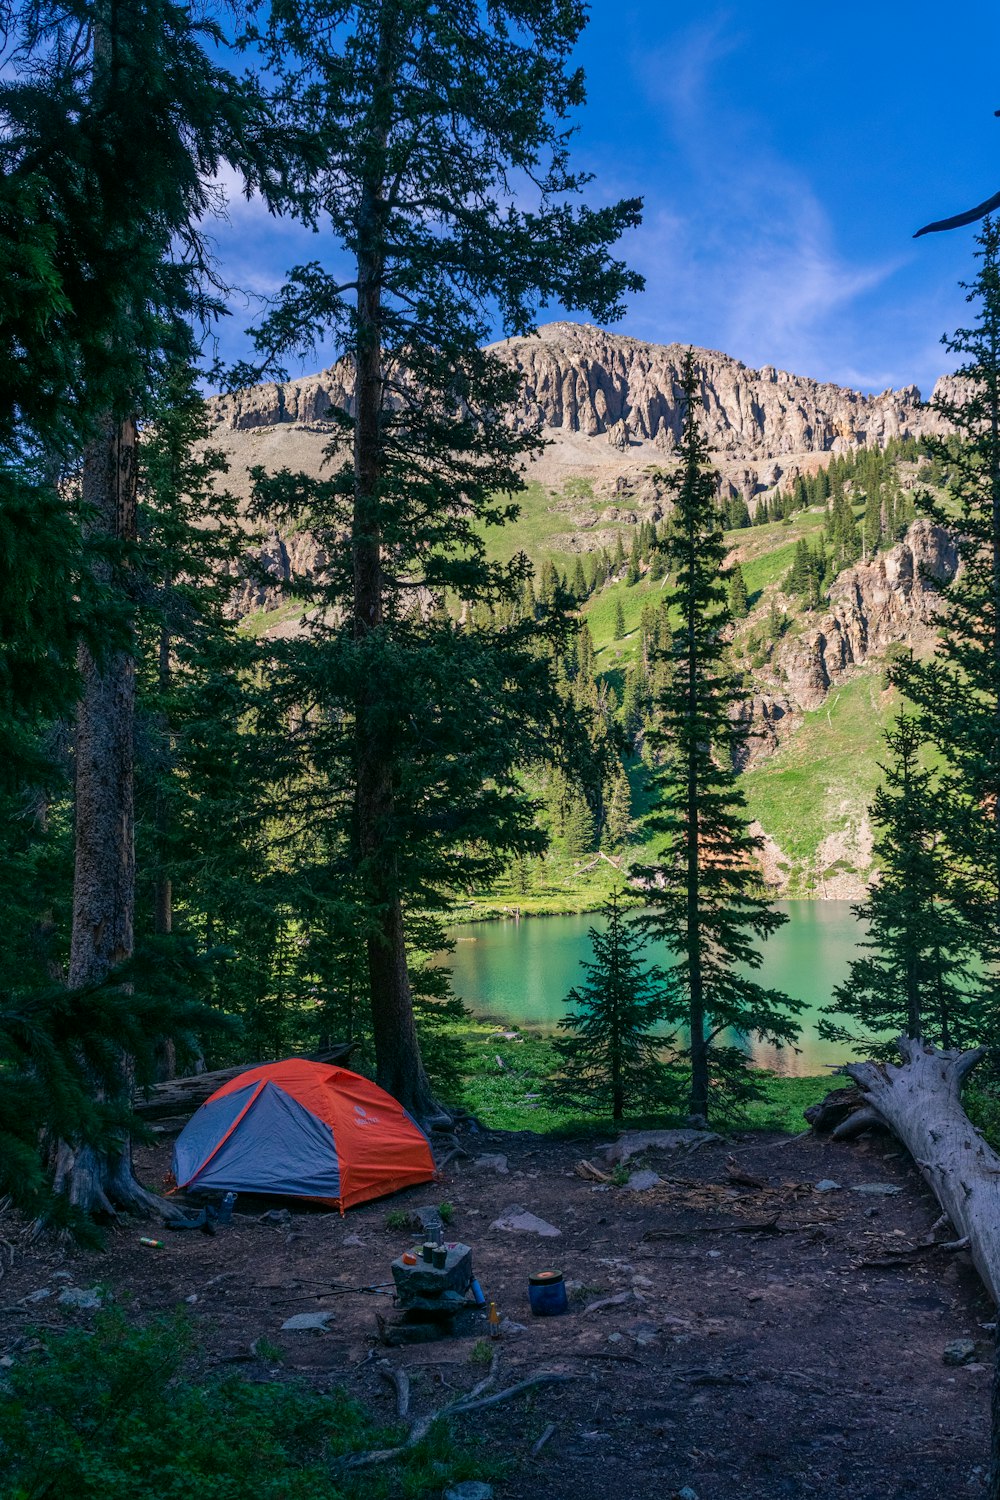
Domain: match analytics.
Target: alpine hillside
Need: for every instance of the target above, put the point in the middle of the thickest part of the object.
(835, 572)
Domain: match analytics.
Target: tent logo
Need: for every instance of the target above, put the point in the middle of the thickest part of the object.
(363, 1117)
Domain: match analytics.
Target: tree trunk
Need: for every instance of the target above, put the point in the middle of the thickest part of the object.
(399, 1069)
(104, 868)
(921, 1104)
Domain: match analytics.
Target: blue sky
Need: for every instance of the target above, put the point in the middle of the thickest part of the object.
(786, 153)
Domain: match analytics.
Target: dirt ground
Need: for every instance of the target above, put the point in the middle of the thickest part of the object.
(766, 1341)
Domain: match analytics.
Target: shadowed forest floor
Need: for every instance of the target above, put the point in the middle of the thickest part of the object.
(764, 1341)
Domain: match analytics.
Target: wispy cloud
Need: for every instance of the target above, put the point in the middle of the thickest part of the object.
(738, 250)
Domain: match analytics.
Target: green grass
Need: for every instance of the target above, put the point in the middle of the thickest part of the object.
(824, 776)
(513, 1097)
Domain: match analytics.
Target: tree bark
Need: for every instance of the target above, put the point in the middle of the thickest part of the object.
(104, 864)
(921, 1103)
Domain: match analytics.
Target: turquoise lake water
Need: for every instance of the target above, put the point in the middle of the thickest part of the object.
(519, 972)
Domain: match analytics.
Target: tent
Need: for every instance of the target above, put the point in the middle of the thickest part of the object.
(303, 1130)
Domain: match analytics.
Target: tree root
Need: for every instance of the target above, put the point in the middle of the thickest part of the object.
(475, 1400)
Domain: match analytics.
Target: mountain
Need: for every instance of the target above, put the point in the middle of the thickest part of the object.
(608, 406)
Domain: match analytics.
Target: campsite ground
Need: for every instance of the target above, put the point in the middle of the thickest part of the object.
(763, 1341)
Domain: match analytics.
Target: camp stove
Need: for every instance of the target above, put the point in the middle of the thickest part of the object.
(434, 1287)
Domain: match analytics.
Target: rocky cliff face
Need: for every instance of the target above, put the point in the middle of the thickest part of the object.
(581, 380)
(871, 606)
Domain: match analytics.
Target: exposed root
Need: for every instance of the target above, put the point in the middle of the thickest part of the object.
(475, 1400)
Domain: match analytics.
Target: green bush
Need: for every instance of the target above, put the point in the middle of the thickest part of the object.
(110, 1413)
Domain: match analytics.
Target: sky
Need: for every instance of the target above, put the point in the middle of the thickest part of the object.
(786, 153)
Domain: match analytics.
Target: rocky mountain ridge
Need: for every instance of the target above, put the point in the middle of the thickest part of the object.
(585, 381)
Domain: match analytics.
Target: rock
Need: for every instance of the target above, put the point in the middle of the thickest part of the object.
(60, 1276)
(41, 1295)
(958, 1352)
(877, 1189)
(495, 1162)
(827, 1185)
(425, 1216)
(517, 1220)
(636, 1141)
(641, 1182)
(872, 605)
(305, 1322)
(192, 1299)
(280, 1217)
(687, 1493)
(85, 1300)
(507, 1326)
(644, 1334)
(469, 1489)
(352, 1241)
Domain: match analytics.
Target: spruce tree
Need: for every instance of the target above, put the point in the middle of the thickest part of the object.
(633, 573)
(957, 691)
(704, 900)
(429, 121)
(736, 593)
(618, 620)
(915, 975)
(610, 1059)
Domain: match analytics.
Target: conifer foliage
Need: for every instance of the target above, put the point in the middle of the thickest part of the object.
(957, 692)
(704, 899)
(914, 973)
(425, 116)
(610, 1061)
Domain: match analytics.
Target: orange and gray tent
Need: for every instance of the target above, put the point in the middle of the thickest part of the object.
(302, 1130)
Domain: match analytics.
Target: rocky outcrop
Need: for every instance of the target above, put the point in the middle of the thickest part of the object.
(583, 380)
(871, 606)
(309, 400)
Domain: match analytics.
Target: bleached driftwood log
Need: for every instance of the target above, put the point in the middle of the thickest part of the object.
(920, 1102)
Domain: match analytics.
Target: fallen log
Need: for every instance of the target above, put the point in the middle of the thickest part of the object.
(180, 1097)
(842, 1114)
(920, 1102)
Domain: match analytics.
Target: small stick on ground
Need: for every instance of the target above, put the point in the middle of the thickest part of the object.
(537, 1448)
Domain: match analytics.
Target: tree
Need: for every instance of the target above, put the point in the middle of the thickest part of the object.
(436, 126)
(703, 899)
(618, 621)
(915, 975)
(116, 119)
(633, 574)
(610, 1061)
(736, 593)
(957, 691)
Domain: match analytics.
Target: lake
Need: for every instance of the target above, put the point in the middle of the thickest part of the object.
(520, 971)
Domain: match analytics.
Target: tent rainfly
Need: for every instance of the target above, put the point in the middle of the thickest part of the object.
(303, 1130)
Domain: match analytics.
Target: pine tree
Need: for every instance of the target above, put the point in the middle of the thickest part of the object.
(617, 811)
(579, 587)
(618, 623)
(609, 1062)
(578, 826)
(633, 574)
(736, 594)
(957, 691)
(424, 121)
(915, 977)
(703, 899)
